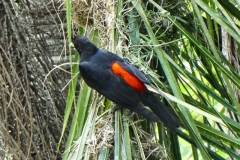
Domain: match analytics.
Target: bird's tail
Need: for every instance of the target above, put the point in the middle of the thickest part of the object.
(143, 111)
(166, 115)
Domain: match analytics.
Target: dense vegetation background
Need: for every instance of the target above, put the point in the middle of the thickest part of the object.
(187, 49)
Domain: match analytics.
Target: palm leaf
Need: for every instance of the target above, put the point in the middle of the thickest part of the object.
(184, 61)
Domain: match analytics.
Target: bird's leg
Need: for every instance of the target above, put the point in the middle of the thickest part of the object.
(115, 108)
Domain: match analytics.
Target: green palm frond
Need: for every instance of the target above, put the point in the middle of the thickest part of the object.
(179, 47)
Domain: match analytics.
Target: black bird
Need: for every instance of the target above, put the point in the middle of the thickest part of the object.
(121, 82)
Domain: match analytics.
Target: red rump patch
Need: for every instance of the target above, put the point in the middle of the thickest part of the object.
(131, 79)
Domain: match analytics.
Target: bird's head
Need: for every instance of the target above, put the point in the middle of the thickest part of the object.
(84, 45)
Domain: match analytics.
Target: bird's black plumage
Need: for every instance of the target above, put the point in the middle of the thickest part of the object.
(121, 82)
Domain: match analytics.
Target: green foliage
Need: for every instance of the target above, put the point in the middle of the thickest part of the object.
(178, 46)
